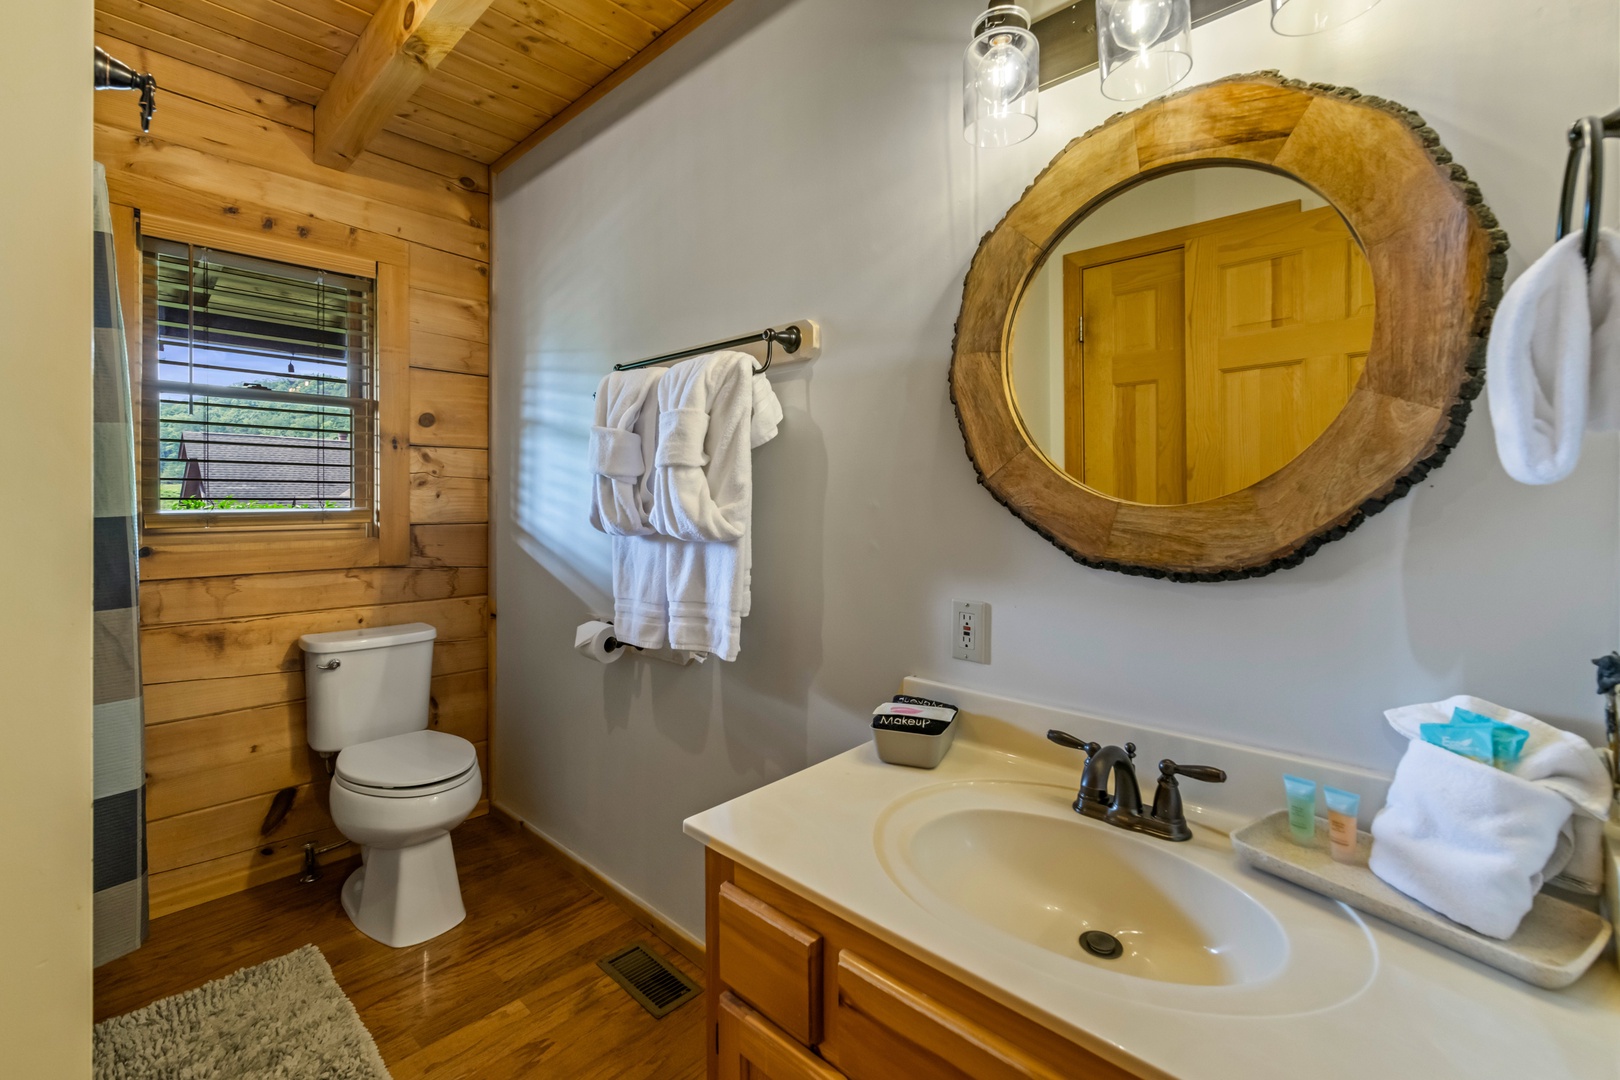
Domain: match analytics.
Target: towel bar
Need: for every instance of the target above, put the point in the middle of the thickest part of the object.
(799, 340)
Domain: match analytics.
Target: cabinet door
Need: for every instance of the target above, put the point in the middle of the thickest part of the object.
(751, 1048)
(772, 962)
(887, 1029)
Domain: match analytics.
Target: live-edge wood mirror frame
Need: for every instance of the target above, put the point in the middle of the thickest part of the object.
(1437, 259)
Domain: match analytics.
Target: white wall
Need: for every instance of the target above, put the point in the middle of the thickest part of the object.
(804, 158)
(45, 331)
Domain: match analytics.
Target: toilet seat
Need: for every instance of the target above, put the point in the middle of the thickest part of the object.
(414, 765)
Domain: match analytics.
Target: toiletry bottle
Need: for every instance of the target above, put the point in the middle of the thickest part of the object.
(1342, 807)
(1301, 809)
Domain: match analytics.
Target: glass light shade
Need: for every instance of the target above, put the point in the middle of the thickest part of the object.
(1144, 47)
(1296, 18)
(1001, 76)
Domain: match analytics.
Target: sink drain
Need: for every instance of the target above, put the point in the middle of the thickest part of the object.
(1102, 945)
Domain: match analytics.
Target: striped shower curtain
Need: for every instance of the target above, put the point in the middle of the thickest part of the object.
(120, 765)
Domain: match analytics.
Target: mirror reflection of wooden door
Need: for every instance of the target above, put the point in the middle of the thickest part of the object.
(1134, 378)
(1212, 355)
(1279, 318)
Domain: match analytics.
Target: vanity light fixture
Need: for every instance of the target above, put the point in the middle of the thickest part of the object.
(1144, 47)
(1297, 18)
(1001, 78)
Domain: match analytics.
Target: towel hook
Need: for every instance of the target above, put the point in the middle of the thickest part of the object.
(1585, 134)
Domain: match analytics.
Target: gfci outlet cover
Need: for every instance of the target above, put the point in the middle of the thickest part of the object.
(970, 631)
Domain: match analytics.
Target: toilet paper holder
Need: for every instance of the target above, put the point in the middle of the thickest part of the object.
(596, 641)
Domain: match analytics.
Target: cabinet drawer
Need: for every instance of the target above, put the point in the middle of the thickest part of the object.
(752, 1049)
(886, 1029)
(772, 962)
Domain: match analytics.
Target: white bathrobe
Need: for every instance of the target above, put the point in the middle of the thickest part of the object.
(712, 412)
(620, 455)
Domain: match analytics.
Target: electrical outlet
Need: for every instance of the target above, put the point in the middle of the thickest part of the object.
(970, 630)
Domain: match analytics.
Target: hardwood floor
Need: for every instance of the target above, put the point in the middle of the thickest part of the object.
(512, 992)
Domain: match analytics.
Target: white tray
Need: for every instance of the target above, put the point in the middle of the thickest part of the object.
(1553, 946)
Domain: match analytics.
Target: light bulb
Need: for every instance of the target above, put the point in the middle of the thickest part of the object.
(1137, 24)
(1006, 70)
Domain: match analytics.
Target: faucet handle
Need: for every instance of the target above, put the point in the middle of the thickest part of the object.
(1209, 774)
(1063, 738)
(1130, 750)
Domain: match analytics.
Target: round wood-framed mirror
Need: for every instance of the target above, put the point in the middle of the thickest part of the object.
(1427, 248)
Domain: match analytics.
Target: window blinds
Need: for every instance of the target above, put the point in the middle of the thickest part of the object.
(260, 397)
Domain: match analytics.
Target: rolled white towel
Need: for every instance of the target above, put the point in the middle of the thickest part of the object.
(1467, 839)
(1461, 836)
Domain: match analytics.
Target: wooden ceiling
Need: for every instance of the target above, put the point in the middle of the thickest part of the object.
(521, 70)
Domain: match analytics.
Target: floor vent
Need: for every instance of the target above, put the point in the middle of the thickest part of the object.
(650, 979)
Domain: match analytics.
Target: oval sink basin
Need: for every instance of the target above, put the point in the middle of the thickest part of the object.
(1011, 864)
(1050, 881)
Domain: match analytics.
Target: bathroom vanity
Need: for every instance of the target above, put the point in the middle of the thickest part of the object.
(876, 921)
(797, 993)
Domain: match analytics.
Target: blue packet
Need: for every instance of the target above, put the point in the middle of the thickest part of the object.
(1487, 741)
(1473, 741)
(1507, 742)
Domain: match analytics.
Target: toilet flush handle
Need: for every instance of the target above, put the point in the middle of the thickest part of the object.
(330, 664)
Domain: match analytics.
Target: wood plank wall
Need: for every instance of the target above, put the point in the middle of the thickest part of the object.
(223, 673)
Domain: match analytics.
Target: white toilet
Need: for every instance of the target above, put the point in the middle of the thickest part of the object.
(398, 788)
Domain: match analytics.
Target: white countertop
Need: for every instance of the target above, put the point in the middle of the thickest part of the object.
(1420, 1010)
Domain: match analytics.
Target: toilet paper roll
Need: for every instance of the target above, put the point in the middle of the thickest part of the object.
(591, 639)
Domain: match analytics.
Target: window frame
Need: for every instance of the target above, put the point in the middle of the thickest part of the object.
(176, 549)
(358, 520)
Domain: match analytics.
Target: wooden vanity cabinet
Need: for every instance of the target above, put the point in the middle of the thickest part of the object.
(796, 993)
(749, 1047)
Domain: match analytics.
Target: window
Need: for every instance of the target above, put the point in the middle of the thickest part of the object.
(259, 392)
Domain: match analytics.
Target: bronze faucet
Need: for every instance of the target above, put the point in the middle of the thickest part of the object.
(1109, 791)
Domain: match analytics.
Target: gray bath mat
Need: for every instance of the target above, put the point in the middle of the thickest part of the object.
(285, 1019)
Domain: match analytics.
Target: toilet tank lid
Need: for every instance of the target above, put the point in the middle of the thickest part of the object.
(367, 637)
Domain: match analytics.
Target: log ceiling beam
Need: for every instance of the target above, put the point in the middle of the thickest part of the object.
(401, 45)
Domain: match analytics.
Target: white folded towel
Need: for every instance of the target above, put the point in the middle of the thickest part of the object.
(713, 411)
(1468, 840)
(620, 453)
(1553, 361)
(1476, 843)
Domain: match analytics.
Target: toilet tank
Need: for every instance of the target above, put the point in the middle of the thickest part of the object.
(366, 684)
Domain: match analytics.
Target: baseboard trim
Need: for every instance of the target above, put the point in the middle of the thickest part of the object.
(672, 935)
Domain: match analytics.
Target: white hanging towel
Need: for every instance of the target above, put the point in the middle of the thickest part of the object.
(713, 411)
(1553, 361)
(620, 453)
